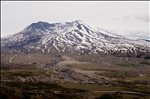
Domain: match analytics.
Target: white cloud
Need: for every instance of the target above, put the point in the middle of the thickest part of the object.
(145, 18)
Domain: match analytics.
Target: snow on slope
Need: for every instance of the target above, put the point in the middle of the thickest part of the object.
(70, 36)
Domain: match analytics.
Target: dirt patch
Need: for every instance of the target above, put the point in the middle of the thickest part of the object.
(68, 60)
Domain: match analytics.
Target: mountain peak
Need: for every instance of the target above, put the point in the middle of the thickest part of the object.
(39, 25)
(78, 21)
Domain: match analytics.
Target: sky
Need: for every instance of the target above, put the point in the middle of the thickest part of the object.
(128, 18)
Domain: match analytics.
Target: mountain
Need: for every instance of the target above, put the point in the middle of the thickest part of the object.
(70, 37)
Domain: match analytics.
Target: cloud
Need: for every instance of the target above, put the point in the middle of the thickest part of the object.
(122, 18)
(142, 18)
(127, 18)
(118, 17)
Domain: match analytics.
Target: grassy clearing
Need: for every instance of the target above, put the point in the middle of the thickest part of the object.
(32, 85)
(91, 87)
(118, 74)
(137, 78)
(94, 87)
(127, 64)
(19, 73)
(90, 66)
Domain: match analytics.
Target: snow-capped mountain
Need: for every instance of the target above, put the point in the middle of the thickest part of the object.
(68, 37)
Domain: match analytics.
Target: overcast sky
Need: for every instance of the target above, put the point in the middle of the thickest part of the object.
(128, 18)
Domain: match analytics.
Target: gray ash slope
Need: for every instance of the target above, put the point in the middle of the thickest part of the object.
(70, 37)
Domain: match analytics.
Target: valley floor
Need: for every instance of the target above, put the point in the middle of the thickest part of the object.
(39, 76)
